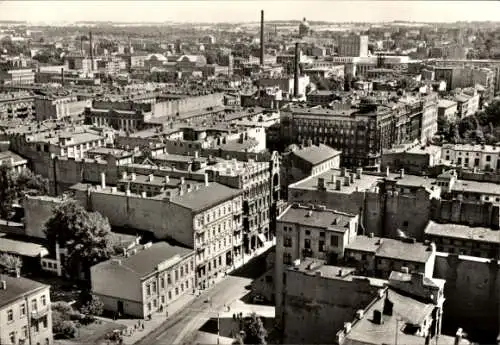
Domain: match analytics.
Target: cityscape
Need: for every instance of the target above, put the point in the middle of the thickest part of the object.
(250, 172)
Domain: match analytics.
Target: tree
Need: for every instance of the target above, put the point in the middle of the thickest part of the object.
(8, 192)
(11, 263)
(255, 333)
(94, 306)
(85, 236)
(14, 186)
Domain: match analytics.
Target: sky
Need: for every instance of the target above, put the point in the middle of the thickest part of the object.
(248, 10)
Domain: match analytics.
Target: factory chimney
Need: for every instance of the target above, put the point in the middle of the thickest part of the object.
(62, 76)
(262, 37)
(91, 51)
(296, 71)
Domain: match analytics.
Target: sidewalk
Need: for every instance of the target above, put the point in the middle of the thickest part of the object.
(246, 309)
(132, 336)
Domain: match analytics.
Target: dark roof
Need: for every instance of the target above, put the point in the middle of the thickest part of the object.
(146, 260)
(316, 154)
(206, 197)
(17, 288)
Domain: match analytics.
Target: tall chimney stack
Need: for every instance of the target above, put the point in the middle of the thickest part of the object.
(262, 37)
(296, 72)
(91, 51)
(62, 76)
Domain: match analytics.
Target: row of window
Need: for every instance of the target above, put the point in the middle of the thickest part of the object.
(177, 290)
(151, 288)
(22, 308)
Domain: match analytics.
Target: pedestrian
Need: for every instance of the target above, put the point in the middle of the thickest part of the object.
(143, 326)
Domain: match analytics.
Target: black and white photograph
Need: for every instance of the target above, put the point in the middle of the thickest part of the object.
(249, 172)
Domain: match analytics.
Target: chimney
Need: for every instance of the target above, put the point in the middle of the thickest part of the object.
(182, 180)
(62, 76)
(143, 195)
(167, 179)
(402, 173)
(359, 172)
(91, 52)
(81, 45)
(309, 142)
(124, 175)
(387, 172)
(103, 180)
(321, 183)
(132, 176)
(458, 336)
(196, 154)
(206, 179)
(388, 306)
(346, 181)
(338, 185)
(347, 327)
(262, 37)
(296, 71)
(151, 177)
(377, 317)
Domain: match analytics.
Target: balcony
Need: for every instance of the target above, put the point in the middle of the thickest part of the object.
(40, 312)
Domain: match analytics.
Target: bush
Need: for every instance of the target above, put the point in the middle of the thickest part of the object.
(62, 307)
(93, 307)
(63, 329)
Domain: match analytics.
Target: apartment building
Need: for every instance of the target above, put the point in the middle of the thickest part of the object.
(353, 45)
(469, 156)
(16, 104)
(206, 217)
(54, 107)
(25, 314)
(145, 281)
(447, 110)
(461, 239)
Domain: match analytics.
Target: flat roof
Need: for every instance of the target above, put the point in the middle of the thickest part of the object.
(391, 248)
(476, 187)
(205, 197)
(22, 248)
(328, 219)
(465, 232)
(316, 154)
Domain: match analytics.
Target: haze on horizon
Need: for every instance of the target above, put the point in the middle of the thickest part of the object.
(248, 11)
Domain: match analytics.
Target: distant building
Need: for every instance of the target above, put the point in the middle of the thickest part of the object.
(25, 312)
(353, 45)
(146, 281)
(59, 107)
(414, 158)
(447, 110)
(468, 156)
(17, 77)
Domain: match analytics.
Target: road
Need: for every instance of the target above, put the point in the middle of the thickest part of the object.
(182, 327)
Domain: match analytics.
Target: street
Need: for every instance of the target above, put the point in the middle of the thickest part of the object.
(182, 327)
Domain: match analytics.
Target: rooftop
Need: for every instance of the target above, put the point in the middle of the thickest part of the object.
(146, 260)
(476, 187)
(316, 154)
(205, 197)
(328, 219)
(391, 248)
(459, 231)
(21, 248)
(18, 288)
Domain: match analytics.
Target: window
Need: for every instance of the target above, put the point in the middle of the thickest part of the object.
(176, 291)
(162, 283)
(33, 304)
(322, 234)
(12, 337)
(488, 158)
(220, 260)
(170, 295)
(334, 241)
(287, 258)
(155, 303)
(43, 299)
(47, 341)
(22, 310)
(153, 287)
(169, 279)
(308, 232)
(24, 332)
(45, 322)
(321, 246)
(148, 290)
(10, 315)
(287, 241)
(182, 271)
(307, 243)
(176, 275)
(149, 306)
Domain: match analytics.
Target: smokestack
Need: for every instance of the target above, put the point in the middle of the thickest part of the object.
(91, 51)
(262, 37)
(81, 45)
(62, 76)
(296, 72)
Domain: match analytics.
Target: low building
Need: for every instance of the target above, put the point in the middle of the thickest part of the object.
(414, 158)
(468, 156)
(319, 298)
(464, 240)
(145, 282)
(377, 257)
(25, 314)
(447, 111)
